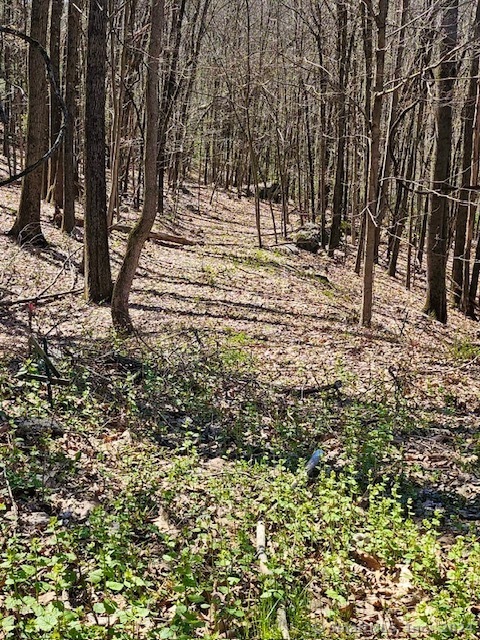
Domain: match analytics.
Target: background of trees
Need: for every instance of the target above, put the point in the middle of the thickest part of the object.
(365, 114)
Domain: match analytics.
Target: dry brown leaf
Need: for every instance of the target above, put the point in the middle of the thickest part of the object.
(37, 519)
(369, 611)
(164, 525)
(346, 613)
(404, 581)
(45, 598)
(367, 560)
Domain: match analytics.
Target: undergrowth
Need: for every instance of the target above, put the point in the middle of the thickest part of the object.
(129, 507)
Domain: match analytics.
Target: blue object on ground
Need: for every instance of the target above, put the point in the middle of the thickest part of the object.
(314, 460)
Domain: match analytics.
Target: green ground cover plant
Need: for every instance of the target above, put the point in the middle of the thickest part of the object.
(170, 457)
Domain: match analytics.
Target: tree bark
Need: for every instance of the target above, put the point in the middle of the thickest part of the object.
(338, 190)
(387, 159)
(437, 230)
(27, 227)
(466, 210)
(54, 192)
(470, 286)
(71, 79)
(98, 279)
(118, 118)
(169, 93)
(374, 167)
(138, 236)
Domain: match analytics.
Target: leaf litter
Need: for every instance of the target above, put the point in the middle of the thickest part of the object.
(303, 332)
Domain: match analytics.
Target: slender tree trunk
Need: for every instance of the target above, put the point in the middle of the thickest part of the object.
(366, 15)
(27, 227)
(402, 197)
(71, 80)
(387, 159)
(470, 287)
(374, 167)
(437, 231)
(311, 169)
(54, 194)
(169, 93)
(470, 307)
(118, 119)
(98, 279)
(341, 129)
(408, 275)
(466, 210)
(138, 236)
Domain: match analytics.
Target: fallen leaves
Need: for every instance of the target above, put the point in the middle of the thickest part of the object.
(367, 560)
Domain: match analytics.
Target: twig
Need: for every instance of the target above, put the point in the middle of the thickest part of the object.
(40, 298)
(62, 382)
(304, 391)
(468, 364)
(35, 345)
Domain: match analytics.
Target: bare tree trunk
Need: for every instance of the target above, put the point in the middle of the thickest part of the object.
(374, 166)
(98, 279)
(437, 231)
(311, 169)
(55, 194)
(387, 160)
(423, 234)
(470, 287)
(249, 132)
(169, 93)
(71, 80)
(138, 236)
(366, 15)
(466, 213)
(27, 228)
(118, 120)
(342, 54)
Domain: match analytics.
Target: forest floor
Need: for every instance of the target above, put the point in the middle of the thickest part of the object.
(244, 362)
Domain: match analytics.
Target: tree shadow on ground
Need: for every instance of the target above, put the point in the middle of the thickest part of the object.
(207, 395)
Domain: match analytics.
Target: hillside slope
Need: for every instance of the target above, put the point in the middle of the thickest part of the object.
(305, 328)
(133, 496)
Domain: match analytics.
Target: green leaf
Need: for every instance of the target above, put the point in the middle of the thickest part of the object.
(110, 607)
(95, 576)
(114, 586)
(8, 623)
(180, 609)
(99, 608)
(196, 598)
(168, 558)
(46, 622)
